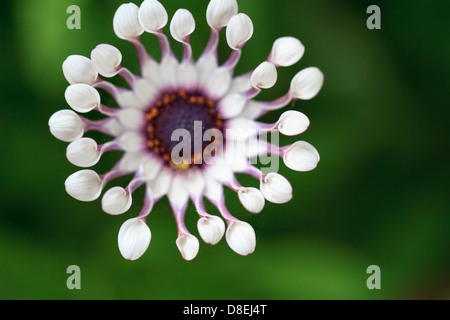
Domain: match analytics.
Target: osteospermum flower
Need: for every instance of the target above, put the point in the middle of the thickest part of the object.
(171, 124)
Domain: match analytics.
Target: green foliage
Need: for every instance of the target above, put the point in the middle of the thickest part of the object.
(380, 194)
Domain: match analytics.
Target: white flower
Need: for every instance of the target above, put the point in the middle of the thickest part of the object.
(66, 125)
(132, 141)
(134, 238)
(84, 185)
(82, 97)
(152, 16)
(130, 118)
(301, 156)
(307, 83)
(83, 152)
(106, 59)
(126, 22)
(292, 123)
(211, 229)
(276, 188)
(79, 69)
(219, 12)
(252, 199)
(186, 128)
(239, 30)
(286, 51)
(182, 25)
(264, 76)
(241, 238)
(116, 201)
(188, 246)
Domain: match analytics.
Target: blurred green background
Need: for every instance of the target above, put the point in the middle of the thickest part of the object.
(380, 195)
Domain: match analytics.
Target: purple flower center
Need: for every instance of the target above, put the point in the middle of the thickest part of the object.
(182, 117)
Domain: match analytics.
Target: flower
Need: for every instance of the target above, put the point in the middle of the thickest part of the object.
(171, 124)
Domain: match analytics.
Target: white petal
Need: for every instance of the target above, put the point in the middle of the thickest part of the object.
(307, 83)
(114, 127)
(239, 30)
(65, 125)
(195, 183)
(252, 199)
(287, 51)
(211, 229)
(182, 25)
(188, 246)
(241, 237)
(241, 83)
(301, 156)
(178, 194)
(106, 59)
(134, 238)
(265, 76)
(82, 97)
(161, 185)
(131, 119)
(131, 161)
(219, 12)
(151, 166)
(213, 188)
(126, 23)
(151, 70)
(132, 141)
(276, 188)
(231, 105)
(206, 65)
(235, 155)
(220, 171)
(253, 147)
(188, 76)
(84, 185)
(252, 110)
(169, 71)
(292, 123)
(145, 91)
(79, 69)
(152, 16)
(241, 129)
(116, 201)
(218, 83)
(129, 99)
(83, 152)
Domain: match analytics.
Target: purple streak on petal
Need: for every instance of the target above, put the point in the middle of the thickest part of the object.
(113, 174)
(232, 60)
(224, 211)
(179, 214)
(251, 93)
(164, 44)
(212, 43)
(98, 125)
(251, 170)
(109, 146)
(109, 87)
(129, 77)
(105, 110)
(142, 53)
(147, 207)
(267, 106)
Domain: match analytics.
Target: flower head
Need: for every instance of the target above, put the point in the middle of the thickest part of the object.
(185, 127)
